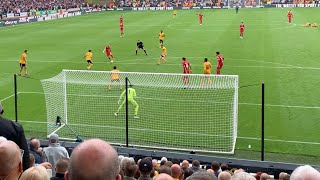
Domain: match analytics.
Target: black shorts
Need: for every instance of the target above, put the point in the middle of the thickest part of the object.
(89, 61)
(161, 41)
(22, 65)
(140, 47)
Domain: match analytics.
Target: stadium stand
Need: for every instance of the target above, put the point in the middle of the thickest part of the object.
(17, 6)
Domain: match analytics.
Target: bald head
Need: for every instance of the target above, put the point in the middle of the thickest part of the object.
(305, 173)
(210, 171)
(10, 152)
(175, 171)
(93, 159)
(224, 176)
(34, 144)
(163, 176)
(185, 164)
(154, 163)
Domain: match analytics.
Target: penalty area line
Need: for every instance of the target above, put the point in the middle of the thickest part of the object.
(6, 98)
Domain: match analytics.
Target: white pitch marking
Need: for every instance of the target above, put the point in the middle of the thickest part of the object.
(244, 103)
(154, 130)
(6, 98)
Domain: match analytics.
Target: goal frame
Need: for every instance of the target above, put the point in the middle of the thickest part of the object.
(65, 108)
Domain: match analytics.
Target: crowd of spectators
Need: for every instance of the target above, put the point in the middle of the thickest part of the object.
(17, 6)
(168, 3)
(96, 159)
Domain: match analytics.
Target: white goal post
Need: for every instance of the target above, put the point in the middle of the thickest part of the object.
(192, 112)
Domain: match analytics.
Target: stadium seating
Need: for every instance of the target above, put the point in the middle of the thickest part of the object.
(17, 6)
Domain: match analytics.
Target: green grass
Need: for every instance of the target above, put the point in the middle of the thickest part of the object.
(284, 56)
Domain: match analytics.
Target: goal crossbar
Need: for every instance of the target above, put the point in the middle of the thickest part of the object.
(193, 112)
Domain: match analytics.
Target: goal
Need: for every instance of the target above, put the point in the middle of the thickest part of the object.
(176, 111)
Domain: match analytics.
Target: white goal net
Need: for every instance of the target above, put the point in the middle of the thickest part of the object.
(176, 111)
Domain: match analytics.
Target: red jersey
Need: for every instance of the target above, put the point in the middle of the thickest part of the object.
(186, 67)
(121, 20)
(220, 59)
(108, 49)
(241, 27)
(289, 14)
(200, 16)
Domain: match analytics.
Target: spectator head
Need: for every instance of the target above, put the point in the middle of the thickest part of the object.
(164, 159)
(163, 176)
(38, 173)
(53, 138)
(176, 171)
(93, 159)
(264, 176)
(168, 163)
(201, 175)
(2, 139)
(224, 167)
(185, 164)
(34, 144)
(129, 168)
(32, 160)
(224, 176)
(175, 161)
(284, 176)
(215, 166)
(210, 171)
(10, 152)
(195, 163)
(242, 176)
(154, 163)
(145, 166)
(165, 169)
(305, 173)
(1, 109)
(62, 165)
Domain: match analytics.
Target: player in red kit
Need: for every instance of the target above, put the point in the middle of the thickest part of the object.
(200, 15)
(290, 16)
(186, 70)
(220, 59)
(108, 52)
(121, 30)
(121, 19)
(241, 30)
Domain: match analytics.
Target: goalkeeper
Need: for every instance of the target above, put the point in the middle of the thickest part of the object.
(131, 95)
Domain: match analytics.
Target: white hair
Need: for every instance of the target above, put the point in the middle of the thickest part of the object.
(2, 139)
(164, 159)
(242, 176)
(305, 173)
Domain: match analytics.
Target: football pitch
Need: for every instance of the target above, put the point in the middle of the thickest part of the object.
(285, 56)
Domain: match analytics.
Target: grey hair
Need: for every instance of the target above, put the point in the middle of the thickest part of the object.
(201, 175)
(242, 176)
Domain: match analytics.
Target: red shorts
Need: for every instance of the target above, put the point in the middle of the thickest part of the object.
(241, 30)
(108, 54)
(121, 29)
(219, 66)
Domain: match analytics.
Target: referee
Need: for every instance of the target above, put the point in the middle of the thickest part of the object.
(140, 46)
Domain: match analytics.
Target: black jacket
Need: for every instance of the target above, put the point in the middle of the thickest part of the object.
(14, 132)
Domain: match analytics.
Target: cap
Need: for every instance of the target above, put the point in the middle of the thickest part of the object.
(145, 165)
(1, 108)
(54, 137)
